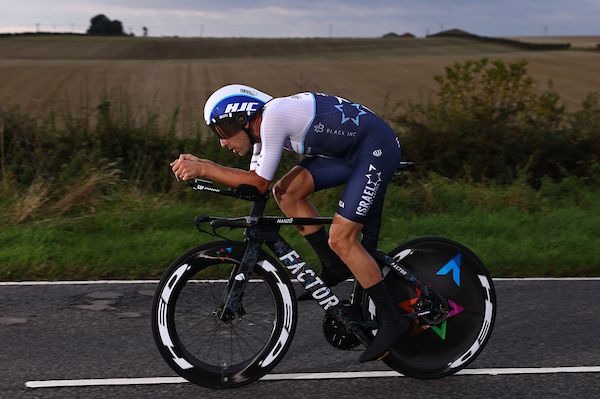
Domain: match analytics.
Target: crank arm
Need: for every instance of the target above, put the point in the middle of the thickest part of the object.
(359, 333)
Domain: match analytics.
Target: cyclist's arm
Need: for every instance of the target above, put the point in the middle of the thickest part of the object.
(186, 168)
(233, 177)
(275, 130)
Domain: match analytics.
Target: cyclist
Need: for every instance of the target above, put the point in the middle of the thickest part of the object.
(343, 143)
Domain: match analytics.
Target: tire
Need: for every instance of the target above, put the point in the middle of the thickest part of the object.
(201, 348)
(438, 351)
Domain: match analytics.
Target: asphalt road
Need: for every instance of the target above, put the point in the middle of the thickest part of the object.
(67, 332)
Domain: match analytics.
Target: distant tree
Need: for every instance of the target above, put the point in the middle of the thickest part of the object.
(407, 35)
(145, 31)
(102, 25)
(394, 35)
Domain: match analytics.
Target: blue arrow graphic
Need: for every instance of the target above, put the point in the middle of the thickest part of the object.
(454, 266)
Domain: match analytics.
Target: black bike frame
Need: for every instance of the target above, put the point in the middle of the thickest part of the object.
(265, 229)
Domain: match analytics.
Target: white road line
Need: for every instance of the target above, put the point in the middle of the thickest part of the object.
(305, 376)
(92, 282)
(105, 381)
(20, 283)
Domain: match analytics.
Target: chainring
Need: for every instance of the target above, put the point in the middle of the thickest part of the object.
(336, 333)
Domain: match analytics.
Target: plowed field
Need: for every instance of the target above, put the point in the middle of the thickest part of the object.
(54, 73)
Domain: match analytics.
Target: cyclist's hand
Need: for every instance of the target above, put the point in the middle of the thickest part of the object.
(189, 157)
(188, 167)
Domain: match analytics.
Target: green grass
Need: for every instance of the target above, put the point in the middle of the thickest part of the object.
(138, 235)
(561, 242)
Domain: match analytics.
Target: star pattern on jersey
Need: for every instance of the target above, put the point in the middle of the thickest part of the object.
(346, 118)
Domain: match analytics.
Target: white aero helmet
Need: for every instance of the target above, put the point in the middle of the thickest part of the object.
(228, 109)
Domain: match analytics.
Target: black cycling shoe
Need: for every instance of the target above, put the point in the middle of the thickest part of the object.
(386, 336)
(330, 278)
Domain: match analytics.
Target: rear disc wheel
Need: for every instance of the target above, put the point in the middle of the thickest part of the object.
(458, 275)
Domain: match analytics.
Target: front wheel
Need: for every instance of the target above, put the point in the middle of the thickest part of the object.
(199, 346)
(458, 275)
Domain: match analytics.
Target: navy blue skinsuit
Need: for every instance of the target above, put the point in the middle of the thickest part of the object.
(348, 144)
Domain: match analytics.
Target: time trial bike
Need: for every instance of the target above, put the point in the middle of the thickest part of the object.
(225, 332)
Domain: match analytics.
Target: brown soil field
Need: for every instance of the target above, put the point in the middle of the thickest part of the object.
(62, 47)
(379, 73)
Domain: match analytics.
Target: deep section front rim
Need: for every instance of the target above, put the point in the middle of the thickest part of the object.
(207, 351)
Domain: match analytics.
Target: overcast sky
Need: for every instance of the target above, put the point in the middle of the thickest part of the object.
(308, 18)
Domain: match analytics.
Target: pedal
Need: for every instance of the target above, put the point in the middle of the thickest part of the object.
(361, 336)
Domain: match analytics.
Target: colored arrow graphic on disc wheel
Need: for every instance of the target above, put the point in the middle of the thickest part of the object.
(452, 266)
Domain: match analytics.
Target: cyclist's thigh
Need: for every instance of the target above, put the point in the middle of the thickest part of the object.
(326, 172)
(298, 182)
(373, 165)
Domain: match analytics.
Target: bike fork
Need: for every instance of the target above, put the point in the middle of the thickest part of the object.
(238, 279)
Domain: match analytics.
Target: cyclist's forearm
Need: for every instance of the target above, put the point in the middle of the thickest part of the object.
(233, 177)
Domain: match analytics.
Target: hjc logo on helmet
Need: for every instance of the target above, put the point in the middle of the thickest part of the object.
(240, 107)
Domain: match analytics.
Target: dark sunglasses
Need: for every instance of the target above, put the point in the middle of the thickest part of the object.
(225, 129)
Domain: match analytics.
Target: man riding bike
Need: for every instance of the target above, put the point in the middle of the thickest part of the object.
(343, 143)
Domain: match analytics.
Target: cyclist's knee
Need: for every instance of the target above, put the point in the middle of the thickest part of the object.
(335, 244)
(278, 190)
(282, 193)
(290, 190)
(340, 241)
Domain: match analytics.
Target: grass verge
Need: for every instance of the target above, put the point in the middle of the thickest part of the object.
(134, 235)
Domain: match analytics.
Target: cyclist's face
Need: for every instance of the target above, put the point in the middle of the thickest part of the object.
(239, 143)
